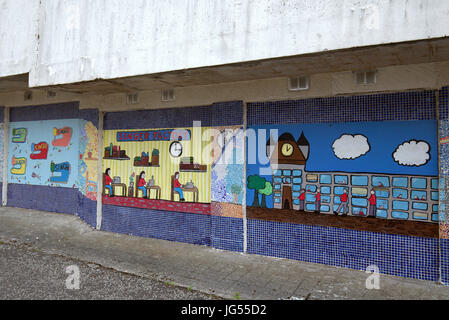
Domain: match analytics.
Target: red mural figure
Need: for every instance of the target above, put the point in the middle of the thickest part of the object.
(61, 137)
(372, 205)
(39, 151)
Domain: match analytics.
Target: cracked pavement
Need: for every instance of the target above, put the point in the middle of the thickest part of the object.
(38, 246)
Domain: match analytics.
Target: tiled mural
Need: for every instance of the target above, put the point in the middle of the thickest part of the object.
(167, 168)
(47, 165)
(386, 170)
(444, 183)
(344, 181)
(227, 172)
(88, 146)
(44, 152)
(169, 171)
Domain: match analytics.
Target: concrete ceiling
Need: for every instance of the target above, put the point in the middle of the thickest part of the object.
(434, 50)
(14, 83)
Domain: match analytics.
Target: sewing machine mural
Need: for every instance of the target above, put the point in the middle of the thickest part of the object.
(39, 151)
(62, 168)
(19, 135)
(18, 165)
(61, 137)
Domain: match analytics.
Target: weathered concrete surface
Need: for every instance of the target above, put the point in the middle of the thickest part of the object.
(27, 273)
(222, 273)
(84, 40)
(68, 41)
(18, 36)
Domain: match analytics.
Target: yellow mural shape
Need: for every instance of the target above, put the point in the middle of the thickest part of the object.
(18, 165)
(197, 149)
(90, 159)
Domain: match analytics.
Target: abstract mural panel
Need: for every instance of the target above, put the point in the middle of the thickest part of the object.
(44, 153)
(88, 171)
(227, 172)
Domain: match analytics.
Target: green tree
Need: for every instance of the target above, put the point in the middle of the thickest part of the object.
(268, 190)
(255, 182)
(236, 190)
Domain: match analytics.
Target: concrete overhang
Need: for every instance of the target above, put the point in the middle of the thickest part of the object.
(14, 83)
(363, 58)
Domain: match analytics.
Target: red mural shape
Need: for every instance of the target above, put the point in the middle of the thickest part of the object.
(39, 151)
(61, 137)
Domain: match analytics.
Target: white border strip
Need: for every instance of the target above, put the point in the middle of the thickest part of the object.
(5, 156)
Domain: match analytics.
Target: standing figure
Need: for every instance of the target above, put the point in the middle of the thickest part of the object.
(343, 203)
(302, 199)
(108, 181)
(372, 205)
(318, 201)
(177, 187)
(141, 184)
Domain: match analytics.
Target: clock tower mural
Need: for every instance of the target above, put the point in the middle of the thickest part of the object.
(381, 170)
(287, 156)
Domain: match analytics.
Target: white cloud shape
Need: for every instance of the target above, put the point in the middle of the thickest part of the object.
(350, 146)
(412, 153)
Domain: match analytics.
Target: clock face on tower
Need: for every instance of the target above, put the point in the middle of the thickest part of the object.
(175, 149)
(287, 149)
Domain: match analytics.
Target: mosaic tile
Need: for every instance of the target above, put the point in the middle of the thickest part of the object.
(67, 110)
(399, 255)
(217, 114)
(418, 105)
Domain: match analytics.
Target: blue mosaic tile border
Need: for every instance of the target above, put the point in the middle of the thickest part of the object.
(227, 233)
(68, 110)
(87, 210)
(89, 115)
(443, 102)
(399, 255)
(53, 199)
(217, 114)
(444, 258)
(227, 113)
(224, 233)
(419, 105)
(166, 225)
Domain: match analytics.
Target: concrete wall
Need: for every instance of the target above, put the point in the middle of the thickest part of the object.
(83, 40)
(18, 36)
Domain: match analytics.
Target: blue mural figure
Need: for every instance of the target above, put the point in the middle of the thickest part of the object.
(62, 168)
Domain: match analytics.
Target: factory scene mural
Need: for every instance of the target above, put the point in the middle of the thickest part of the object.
(370, 170)
(161, 169)
(44, 153)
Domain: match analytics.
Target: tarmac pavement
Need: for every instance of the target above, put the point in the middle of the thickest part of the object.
(205, 273)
